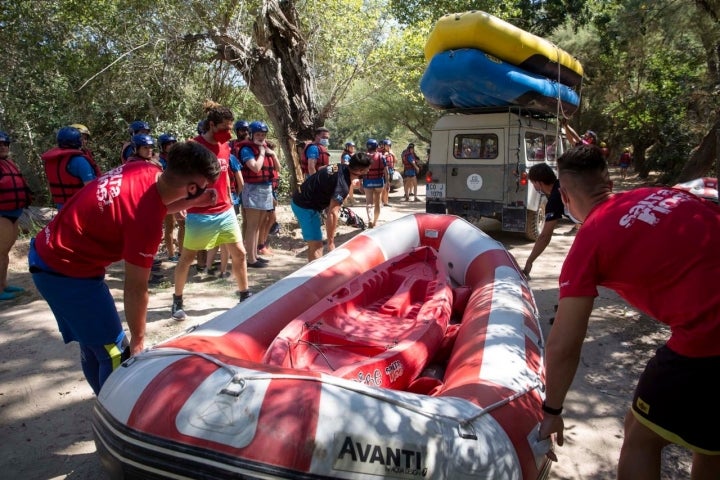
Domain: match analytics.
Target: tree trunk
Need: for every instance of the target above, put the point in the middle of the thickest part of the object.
(275, 66)
(703, 158)
(639, 160)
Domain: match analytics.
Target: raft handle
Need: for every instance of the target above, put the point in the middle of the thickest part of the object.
(467, 431)
(235, 387)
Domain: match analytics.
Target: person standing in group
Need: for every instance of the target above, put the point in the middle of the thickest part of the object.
(67, 167)
(270, 219)
(135, 128)
(142, 150)
(15, 196)
(165, 142)
(315, 155)
(85, 137)
(325, 191)
(624, 245)
(374, 182)
(115, 217)
(625, 161)
(348, 152)
(543, 179)
(209, 226)
(259, 162)
(386, 150)
(410, 172)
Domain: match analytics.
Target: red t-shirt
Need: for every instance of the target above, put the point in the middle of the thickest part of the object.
(117, 216)
(224, 202)
(657, 248)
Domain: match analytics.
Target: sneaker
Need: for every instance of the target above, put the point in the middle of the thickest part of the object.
(257, 264)
(211, 272)
(416, 199)
(244, 295)
(262, 260)
(13, 289)
(275, 229)
(156, 279)
(174, 259)
(225, 275)
(177, 309)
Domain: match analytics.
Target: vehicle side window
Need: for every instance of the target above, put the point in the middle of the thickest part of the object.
(551, 151)
(476, 145)
(535, 147)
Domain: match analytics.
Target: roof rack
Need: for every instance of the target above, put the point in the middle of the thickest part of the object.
(517, 109)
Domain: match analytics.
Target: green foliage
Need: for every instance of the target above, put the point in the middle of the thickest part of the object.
(651, 68)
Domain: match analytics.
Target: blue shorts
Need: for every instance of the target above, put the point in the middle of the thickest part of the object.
(258, 196)
(207, 231)
(12, 215)
(83, 307)
(373, 182)
(310, 223)
(409, 173)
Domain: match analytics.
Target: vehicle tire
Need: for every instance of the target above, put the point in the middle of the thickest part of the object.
(535, 221)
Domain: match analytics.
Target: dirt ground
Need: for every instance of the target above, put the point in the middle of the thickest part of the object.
(45, 402)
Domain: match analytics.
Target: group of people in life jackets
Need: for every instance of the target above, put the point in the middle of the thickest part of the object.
(376, 184)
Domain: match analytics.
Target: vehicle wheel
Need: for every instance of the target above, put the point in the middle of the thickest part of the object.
(535, 221)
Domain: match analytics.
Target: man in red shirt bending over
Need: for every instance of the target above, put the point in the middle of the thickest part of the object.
(656, 247)
(117, 216)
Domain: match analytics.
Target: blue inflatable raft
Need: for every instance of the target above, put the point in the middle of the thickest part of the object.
(471, 78)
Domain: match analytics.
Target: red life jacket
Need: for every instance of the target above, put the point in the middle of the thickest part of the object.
(266, 173)
(390, 160)
(377, 166)
(323, 159)
(407, 164)
(63, 184)
(14, 192)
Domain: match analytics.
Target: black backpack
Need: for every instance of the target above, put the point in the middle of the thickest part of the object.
(351, 218)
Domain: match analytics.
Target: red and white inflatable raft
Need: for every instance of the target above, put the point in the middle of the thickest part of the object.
(206, 405)
(705, 187)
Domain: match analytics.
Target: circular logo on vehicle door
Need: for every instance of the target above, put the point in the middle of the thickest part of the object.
(474, 182)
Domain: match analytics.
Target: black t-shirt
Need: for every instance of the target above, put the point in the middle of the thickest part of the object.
(555, 208)
(316, 192)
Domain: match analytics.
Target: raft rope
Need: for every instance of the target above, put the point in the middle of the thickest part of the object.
(239, 378)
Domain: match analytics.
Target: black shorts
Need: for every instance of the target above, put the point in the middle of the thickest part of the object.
(675, 399)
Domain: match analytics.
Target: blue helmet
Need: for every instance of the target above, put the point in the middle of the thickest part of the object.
(166, 138)
(69, 137)
(387, 142)
(5, 138)
(371, 144)
(241, 124)
(257, 126)
(138, 125)
(142, 140)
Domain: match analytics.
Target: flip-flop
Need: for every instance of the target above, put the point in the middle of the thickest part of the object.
(6, 296)
(13, 289)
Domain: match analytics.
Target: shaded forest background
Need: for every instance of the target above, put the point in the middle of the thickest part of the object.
(652, 71)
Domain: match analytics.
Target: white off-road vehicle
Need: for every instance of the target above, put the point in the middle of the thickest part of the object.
(479, 162)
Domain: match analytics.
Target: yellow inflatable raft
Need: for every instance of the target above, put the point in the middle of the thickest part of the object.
(477, 29)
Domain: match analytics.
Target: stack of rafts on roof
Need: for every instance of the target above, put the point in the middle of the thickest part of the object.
(477, 60)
